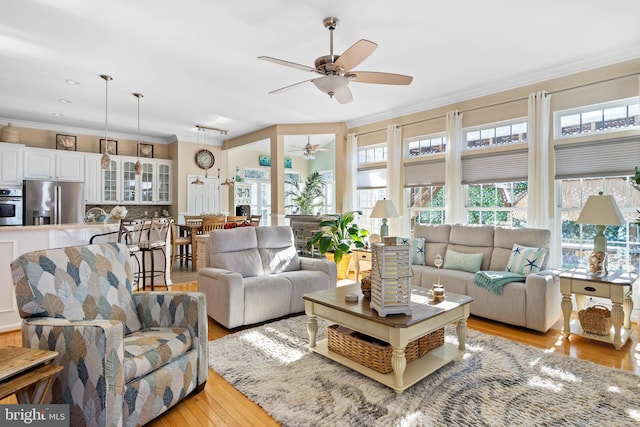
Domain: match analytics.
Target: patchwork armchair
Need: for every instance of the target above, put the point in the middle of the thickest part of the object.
(127, 357)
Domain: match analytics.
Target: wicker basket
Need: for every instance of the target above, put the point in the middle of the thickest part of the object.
(365, 286)
(595, 320)
(376, 354)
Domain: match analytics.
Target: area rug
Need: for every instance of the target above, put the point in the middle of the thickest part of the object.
(496, 382)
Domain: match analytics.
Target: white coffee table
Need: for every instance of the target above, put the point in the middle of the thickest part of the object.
(397, 330)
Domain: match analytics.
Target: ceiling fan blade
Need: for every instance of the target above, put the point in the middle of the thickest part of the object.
(343, 96)
(381, 78)
(357, 53)
(287, 63)
(288, 87)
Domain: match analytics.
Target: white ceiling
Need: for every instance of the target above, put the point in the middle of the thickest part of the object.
(196, 62)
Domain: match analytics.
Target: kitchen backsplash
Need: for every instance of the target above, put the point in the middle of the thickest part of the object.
(136, 211)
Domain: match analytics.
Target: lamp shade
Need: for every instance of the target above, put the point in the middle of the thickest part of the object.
(601, 210)
(384, 209)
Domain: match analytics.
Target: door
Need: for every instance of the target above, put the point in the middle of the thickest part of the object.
(203, 198)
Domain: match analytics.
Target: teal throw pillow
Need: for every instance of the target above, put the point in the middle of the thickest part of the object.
(416, 249)
(464, 262)
(525, 260)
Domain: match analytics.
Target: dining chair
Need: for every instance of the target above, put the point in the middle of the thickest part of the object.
(255, 220)
(212, 223)
(193, 219)
(238, 219)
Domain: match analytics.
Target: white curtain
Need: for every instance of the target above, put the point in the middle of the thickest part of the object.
(454, 207)
(351, 174)
(394, 172)
(538, 137)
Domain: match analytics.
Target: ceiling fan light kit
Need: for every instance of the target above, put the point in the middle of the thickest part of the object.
(336, 70)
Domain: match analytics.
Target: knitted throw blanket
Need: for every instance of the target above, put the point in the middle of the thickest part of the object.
(493, 281)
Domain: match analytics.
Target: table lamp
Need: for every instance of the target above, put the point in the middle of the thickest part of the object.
(600, 211)
(384, 209)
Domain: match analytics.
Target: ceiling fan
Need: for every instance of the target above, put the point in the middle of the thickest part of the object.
(309, 151)
(337, 70)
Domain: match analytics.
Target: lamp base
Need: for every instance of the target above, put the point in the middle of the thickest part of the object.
(598, 263)
(384, 228)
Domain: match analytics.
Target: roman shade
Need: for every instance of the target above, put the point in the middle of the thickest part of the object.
(372, 178)
(424, 173)
(612, 157)
(504, 166)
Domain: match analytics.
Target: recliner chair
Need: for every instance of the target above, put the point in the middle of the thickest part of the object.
(127, 357)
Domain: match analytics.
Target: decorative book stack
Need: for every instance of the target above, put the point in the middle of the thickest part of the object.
(391, 279)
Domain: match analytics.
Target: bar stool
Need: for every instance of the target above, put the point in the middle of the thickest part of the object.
(180, 247)
(156, 240)
(131, 234)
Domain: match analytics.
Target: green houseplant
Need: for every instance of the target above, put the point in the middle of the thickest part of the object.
(306, 199)
(339, 235)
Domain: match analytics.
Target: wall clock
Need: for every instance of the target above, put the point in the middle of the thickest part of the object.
(205, 159)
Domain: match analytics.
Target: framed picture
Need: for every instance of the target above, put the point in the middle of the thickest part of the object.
(288, 163)
(65, 142)
(264, 160)
(146, 150)
(112, 146)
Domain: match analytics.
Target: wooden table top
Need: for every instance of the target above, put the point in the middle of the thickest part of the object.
(613, 278)
(14, 360)
(421, 305)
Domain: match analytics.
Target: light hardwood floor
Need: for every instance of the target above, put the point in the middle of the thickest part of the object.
(219, 404)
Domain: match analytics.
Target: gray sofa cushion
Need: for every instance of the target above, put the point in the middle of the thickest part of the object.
(265, 297)
(479, 240)
(277, 249)
(505, 238)
(436, 238)
(235, 250)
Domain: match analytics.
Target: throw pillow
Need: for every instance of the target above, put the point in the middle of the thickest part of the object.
(416, 250)
(464, 262)
(525, 260)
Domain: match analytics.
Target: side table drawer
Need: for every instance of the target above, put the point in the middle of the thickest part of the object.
(363, 256)
(584, 287)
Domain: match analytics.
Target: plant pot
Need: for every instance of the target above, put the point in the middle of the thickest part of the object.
(343, 267)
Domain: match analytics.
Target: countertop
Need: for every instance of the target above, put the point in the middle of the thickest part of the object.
(56, 227)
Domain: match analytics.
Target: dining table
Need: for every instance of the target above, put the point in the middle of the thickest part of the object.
(192, 229)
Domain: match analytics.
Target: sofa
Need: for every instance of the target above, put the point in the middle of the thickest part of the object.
(254, 274)
(127, 357)
(533, 303)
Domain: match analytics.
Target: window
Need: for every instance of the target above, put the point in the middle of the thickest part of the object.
(426, 205)
(425, 145)
(288, 202)
(502, 204)
(260, 193)
(510, 132)
(372, 154)
(329, 197)
(623, 242)
(367, 199)
(610, 116)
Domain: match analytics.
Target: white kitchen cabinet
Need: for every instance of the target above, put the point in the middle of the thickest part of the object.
(42, 163)
(92, 179)
(110, 181)
(163, 181)
(11, 163)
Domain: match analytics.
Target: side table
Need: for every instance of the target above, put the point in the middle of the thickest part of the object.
(360, 255)
(616, 287)
(27, 373)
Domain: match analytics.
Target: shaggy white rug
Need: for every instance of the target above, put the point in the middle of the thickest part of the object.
(495, 383)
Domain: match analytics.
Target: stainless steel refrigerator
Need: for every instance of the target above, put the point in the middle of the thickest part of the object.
(53, 202)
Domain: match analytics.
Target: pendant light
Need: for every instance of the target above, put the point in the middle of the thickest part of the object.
(138, 166)
(197, 181)
(105, 161)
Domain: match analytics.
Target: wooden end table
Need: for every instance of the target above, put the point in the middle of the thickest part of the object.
(616, 287)
(27, 373)
(397, 330)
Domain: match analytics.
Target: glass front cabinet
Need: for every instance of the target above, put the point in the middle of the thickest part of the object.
(120, 184)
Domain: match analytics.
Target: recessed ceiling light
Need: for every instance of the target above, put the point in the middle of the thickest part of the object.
(58, 114)
(64, 101)
(72, 82)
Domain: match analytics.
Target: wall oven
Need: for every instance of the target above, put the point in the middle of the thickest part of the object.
(11, 202)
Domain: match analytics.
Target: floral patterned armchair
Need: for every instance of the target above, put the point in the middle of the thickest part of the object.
(127, 357)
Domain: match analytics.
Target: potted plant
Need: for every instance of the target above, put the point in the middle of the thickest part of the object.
(306, 199)
(337, 237)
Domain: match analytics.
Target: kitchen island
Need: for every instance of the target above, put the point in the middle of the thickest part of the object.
(16, 240)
